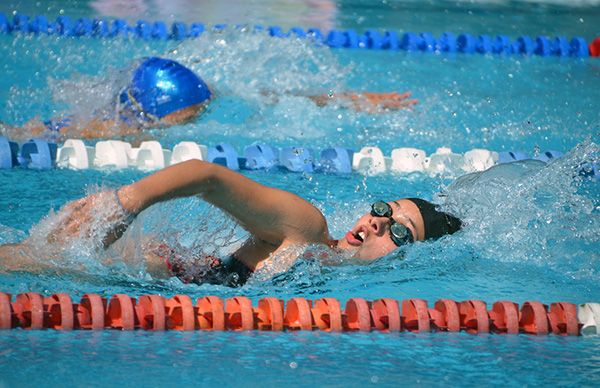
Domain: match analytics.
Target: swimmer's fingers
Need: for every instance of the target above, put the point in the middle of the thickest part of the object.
(400, 104)
(402, 96)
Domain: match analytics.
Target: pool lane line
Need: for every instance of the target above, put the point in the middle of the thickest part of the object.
(371, 39)
(150, 155)
(31, 311)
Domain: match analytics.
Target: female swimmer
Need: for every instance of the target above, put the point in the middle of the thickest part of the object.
(162, 93)
(275, 220)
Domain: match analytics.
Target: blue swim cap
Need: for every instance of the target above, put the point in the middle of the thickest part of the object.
(162, 86)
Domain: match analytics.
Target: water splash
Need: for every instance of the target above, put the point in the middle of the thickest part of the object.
(259, 68)
(534, 212)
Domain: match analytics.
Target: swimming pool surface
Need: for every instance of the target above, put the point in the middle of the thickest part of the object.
(531, 234)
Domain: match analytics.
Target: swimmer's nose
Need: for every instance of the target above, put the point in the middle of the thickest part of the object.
(377, 224)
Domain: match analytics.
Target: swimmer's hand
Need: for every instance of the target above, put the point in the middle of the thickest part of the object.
(98, 216)
(370, 102)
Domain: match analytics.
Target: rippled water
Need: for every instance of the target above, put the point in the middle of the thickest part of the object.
(532, 230)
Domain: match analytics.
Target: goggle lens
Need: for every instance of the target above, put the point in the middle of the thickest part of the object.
(399, 233)
(381, 209)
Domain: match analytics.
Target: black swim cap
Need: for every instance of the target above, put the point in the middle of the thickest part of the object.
(437, 223)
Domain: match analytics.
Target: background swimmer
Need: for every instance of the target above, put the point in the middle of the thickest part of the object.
(275, 220)
(163, 93)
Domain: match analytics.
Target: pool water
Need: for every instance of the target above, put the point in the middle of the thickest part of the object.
(532, 230)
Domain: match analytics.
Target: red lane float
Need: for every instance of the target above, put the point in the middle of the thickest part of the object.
(180, 313)
(505, 317)
(298, 315)
(270, 314)
(327, 314)
(446, 315)
(7, 315)
(29, 309)
(59, 312)
(595, 47)
(563, 319)
(534, 318)
(210, 313)
(386, 315)
(90, 313)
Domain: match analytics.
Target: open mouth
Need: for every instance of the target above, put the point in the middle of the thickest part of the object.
(360, 236)
(355, 238)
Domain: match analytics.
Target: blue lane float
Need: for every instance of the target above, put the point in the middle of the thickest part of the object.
(512, 156)
(261, 156)
(297, 159)
(337, 160)
(225, 155)
(371, 39)
(37, 154)
(8, 153)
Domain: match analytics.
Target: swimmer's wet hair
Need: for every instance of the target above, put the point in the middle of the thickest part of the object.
(437, 223)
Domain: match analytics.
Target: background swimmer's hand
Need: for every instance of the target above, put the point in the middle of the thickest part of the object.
(98, 217)
(381, 102)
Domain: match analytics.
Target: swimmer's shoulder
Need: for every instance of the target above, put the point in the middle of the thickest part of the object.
(315, 228)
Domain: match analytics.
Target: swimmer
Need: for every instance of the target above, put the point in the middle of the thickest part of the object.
(275, 220)
(163, 93)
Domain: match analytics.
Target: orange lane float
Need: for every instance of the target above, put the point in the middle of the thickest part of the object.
(210, 313)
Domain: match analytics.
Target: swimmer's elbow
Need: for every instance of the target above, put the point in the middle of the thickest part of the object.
(208, 176)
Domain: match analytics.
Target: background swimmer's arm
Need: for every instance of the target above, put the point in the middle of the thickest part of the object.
(368, 102)
(100, 129)
(33, 128)
(270, 214)
(93, 129)
(360, 102)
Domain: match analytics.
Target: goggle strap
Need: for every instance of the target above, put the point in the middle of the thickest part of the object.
(139, 107)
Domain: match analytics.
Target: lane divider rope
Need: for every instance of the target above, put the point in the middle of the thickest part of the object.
(116, 154)
(369, 39)
(153, 312)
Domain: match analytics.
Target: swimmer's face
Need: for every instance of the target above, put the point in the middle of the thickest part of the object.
(369, 238)
(184, 115)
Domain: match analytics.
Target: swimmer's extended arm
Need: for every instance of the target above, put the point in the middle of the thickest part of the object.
(270, 214)
(368, 102)
(92, 129)
(360, 102)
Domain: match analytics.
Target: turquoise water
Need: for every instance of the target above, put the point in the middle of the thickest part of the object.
(531, 234)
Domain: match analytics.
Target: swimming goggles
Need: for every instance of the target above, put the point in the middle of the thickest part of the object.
(127, 105)
(399, 233)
